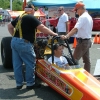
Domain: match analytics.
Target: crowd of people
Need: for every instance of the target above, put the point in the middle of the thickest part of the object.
(3, 18)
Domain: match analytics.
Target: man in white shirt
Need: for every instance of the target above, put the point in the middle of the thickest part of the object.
(62, 26)
(59, 60)
(83, 28)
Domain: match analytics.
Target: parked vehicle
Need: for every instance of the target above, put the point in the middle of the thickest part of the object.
(72, 22)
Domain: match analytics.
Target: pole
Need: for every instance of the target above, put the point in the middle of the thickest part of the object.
(24, 3)
(11, 5)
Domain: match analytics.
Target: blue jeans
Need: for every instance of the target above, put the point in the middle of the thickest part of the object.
(23, 52)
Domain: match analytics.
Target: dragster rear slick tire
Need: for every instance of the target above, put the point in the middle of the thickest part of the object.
(6, 52)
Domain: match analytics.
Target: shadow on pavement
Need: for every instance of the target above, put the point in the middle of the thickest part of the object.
(48, 92)
(8, 91)
(3, 70)
(13, 93)
(44, 92)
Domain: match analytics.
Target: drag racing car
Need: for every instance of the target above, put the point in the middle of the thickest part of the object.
(73, 84)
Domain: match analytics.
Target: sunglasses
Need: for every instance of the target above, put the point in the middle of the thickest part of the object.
(59, 10)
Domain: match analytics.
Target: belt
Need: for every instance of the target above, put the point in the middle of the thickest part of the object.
(80, 40)
(26, 41)
(83, 39)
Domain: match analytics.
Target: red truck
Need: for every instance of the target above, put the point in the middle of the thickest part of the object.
(72, 22)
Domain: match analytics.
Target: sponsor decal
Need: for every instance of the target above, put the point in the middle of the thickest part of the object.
(55, 80)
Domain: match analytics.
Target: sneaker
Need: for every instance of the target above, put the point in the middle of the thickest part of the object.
(19, 87)
(34, 86)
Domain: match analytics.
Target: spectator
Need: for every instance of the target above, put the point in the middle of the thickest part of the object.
(22, 46)
(62, 25)
(83, 28)
(3, 20)
(0, 19)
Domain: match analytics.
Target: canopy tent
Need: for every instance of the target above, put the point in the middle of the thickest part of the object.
(69, 3)
(14, 14)
(89, 4)
(39, 13)
(20, 12)
(92, 4)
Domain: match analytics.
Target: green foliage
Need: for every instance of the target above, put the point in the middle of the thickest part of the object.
(16, 4)
(4, 4)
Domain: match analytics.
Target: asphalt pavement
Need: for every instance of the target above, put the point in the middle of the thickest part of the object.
(7, 81)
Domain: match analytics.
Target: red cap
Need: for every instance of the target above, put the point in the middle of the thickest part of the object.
(78, 5)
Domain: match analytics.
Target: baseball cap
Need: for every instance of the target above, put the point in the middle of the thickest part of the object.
(78, 5)
(30, 6)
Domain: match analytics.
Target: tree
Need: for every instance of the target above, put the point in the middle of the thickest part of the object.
(4, 4)
(16, 4)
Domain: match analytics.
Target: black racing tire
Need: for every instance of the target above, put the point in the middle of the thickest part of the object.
(6, 52)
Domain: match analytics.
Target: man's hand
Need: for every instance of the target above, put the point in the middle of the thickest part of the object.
(56, 34)
(64, 37)
(67, 36)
